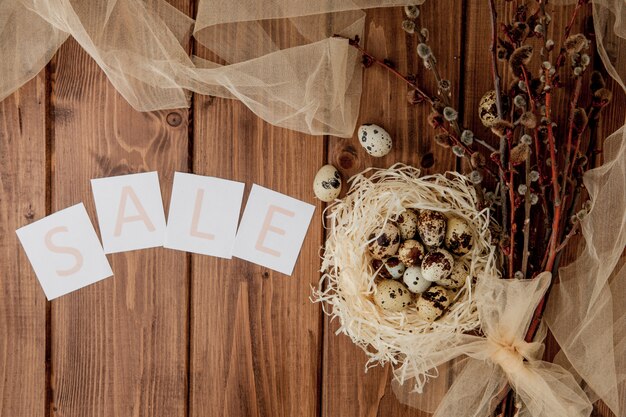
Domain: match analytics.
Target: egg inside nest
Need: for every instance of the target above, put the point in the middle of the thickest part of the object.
(413, 258)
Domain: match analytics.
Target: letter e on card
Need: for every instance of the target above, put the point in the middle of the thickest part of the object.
(272, 229)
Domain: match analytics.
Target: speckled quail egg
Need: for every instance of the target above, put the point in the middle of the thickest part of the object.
(392, 295)
(384, 241)
(375, 139)
(407, 223)
(487, 108)
(457, 277)
(414, 280)
(411, 252)
(432, 303)
(458, 236)
(431, 227)
(327, 183)
(394, 267)
(437, 265)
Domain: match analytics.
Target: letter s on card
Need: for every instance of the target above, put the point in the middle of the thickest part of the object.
(64, 251)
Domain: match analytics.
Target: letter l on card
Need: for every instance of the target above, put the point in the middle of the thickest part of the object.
(203, 214)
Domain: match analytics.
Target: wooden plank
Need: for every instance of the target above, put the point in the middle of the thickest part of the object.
(255, 335)
(347, 390)
(119, 347)
(22, 201)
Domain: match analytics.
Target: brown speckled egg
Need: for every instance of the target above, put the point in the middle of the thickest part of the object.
(437, 265)
(394, 267)
(458, 236)
(457, 277)
(431, 227)
(487, 109)
(385, 243)
(414, 280)
(411, 252)
(327, 183)
(407, 223)
(375, 139)
(392, 295)
(432, 303)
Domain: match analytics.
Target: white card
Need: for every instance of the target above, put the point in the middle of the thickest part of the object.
(64, 251)
(272, 229)
(203, 215)
(130, 211)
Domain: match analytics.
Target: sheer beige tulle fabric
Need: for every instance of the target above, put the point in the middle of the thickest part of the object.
(587, 307)
(276, 56)
(505, 308)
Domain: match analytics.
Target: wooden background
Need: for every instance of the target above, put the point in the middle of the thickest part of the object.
(176, 334)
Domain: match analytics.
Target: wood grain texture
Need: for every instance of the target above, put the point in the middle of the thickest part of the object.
(255, 335)
(119, 347)
(22, 200)
(175, 334)
(346, 389)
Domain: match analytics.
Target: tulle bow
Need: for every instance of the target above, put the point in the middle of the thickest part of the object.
(502, 357)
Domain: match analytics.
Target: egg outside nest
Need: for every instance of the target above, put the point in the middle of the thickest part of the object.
(327, 183)
(375, 140)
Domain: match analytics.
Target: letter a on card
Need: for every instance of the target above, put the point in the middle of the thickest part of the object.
(203, 215)
(64, 251)
(130, 211)
(272, 229)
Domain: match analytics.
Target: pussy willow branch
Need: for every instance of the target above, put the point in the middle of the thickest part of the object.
(561, 58)
(355, 44)
(552, 259)
(446, 99)
(537, 152)
(455, 135)
(433, 66)
(503, 141)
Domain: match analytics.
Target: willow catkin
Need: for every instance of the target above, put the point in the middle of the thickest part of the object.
(346, 288)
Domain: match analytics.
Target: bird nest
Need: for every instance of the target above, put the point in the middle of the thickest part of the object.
(348, 284)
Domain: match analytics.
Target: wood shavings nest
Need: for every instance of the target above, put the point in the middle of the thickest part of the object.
(346, 289)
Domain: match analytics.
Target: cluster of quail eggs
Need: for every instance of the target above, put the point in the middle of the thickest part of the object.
(374, 139)
(418, 261)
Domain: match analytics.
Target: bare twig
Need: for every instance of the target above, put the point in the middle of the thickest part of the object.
(568, 236)
(503, 140)
(494, 57)
(556, 214)
(570, 133)
(527, 207)
(355, 44)
(485, 144)
(561, 58)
